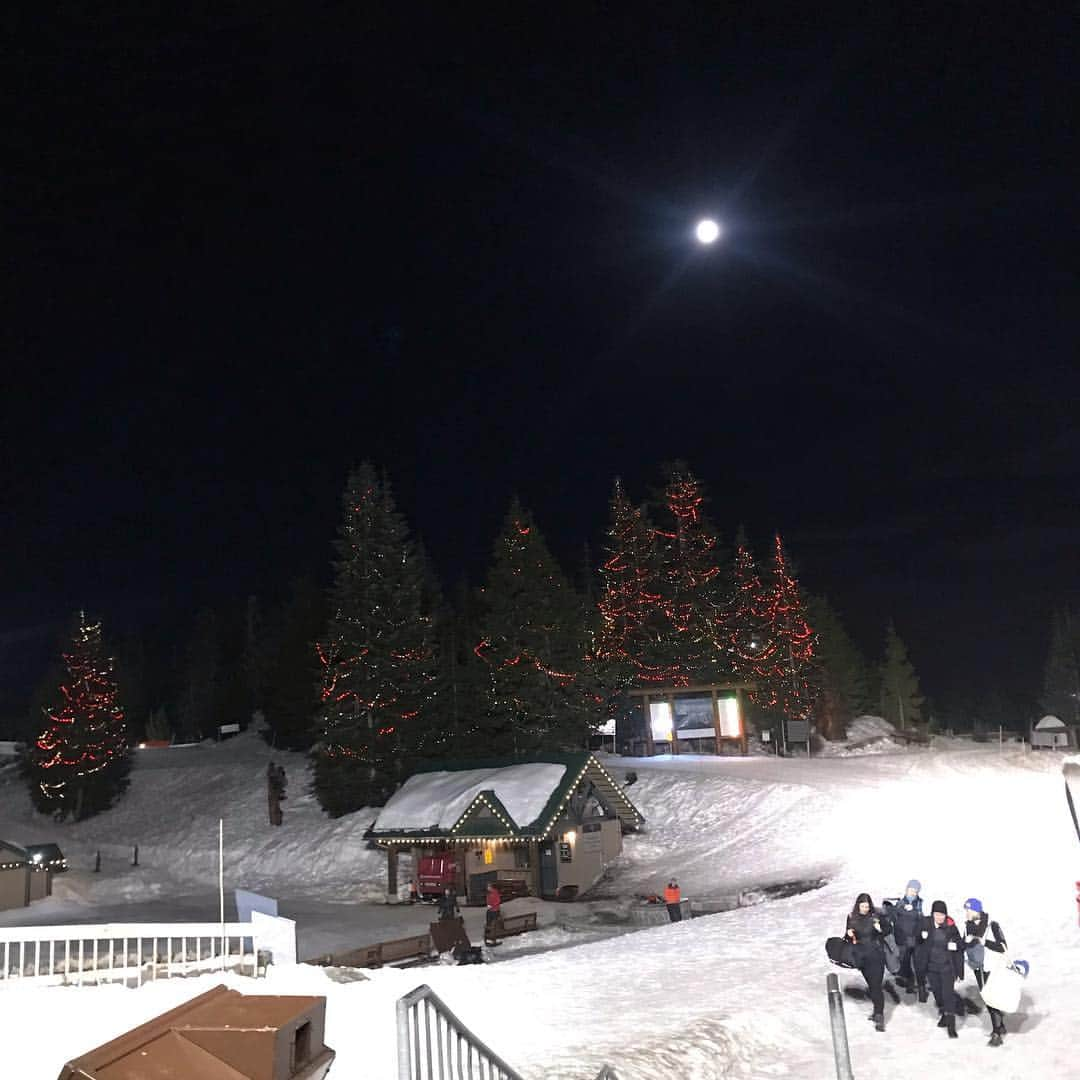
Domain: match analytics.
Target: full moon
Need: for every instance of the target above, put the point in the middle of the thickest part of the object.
(707, 231)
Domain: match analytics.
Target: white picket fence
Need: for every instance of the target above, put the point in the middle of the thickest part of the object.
(134, 953)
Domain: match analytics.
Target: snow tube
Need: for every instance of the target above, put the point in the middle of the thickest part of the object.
(839, 951)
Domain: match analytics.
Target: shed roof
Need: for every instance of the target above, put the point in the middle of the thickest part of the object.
(506, 798)
(1050, 723)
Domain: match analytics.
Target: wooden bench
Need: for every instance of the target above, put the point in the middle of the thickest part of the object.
(384, 952)
(508, 925)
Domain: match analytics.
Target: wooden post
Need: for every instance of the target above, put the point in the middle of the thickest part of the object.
(391, 872)
(649, 745)
(716, 718)
(534, 867)
(740, 704)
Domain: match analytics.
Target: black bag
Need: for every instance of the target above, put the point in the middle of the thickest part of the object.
(840, 951)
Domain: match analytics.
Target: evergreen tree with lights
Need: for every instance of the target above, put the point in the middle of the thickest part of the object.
(79, 764)
(692, 582)
(379, 688)
(1061, 674)
(901, 701)
(631, 640)
(747, 640)
(541, 694)
(789, 681)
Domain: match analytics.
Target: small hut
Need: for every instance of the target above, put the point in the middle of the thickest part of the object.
(548, 824)
(1053, 734)
(14, 876)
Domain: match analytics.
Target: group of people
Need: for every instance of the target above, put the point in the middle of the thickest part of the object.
(930, 952)
(447, 905)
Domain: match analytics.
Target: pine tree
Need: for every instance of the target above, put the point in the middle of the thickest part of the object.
(844, 679)
(200, 687)
(1061, 674)
(465, 675)
(380, 672)
(629, 647)
(290, 685)
(79, 763)
(790, 681)
(540, 694)
(747, 641)
(692, 581)
(901, 701)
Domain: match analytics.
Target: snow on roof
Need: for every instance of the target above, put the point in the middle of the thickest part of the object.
(435, 800)
(1048, 723)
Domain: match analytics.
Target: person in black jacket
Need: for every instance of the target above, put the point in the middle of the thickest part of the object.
(976, 925)
(939, 959)
(906, 913)
(447, 905)
(865, 930)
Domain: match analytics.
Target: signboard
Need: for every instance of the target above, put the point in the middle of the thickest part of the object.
(229, 729)
(248, 902)
(798, 731)
(566, 852)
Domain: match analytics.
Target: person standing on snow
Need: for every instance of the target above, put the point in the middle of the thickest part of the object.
(673, 900)
(448, 905)
(939, 960)
(906, 913)
(865, 930)
(976, 924)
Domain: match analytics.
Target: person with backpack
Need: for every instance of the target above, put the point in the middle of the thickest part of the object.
(976, 942)
(939, 960)
(906, 913)
(866, 930)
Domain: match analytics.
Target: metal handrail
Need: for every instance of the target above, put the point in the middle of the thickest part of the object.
(421, 1057)
(455, 1053)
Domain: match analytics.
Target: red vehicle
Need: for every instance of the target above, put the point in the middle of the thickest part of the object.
(436, 874)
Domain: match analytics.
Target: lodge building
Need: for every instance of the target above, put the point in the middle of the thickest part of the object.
(549, 823)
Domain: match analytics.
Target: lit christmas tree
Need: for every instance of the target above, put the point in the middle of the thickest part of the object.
(628, 648)
(79, 763)
(541, 695)
(691, 583)
(789, 681)
(748, 639)
(380, 672)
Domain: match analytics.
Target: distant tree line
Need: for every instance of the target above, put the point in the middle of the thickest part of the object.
(385, 672)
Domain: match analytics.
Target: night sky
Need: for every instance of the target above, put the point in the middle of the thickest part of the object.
(244, 252)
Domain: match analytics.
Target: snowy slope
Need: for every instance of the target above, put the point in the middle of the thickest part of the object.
(734, 994)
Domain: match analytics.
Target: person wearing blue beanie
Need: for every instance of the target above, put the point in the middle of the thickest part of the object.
(906, 913)
(976, 942)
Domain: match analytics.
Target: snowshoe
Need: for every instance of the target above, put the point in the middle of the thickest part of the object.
(879, 1021)
(995, 1039)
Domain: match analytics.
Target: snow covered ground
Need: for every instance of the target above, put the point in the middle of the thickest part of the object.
(736, 994)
